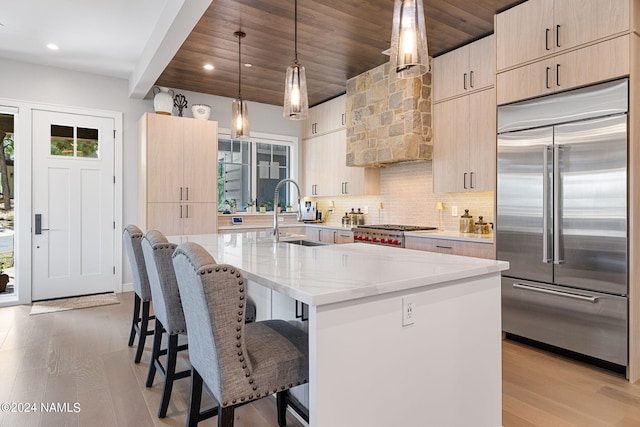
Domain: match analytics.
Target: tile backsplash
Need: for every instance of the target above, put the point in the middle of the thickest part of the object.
(407, 197)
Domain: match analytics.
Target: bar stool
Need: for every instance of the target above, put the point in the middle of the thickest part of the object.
(169, 316)
(238, 362)
(132, 237)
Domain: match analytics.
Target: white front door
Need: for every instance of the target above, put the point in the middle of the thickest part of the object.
(73, 205)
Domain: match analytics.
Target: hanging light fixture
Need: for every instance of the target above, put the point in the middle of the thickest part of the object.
(296, 103)
(409, 56)
(239, 111)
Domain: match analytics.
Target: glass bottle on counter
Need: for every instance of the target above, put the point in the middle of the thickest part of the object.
(353, 218)
(360, 217)
(345, 220)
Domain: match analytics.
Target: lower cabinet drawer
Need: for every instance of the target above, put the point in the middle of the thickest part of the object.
(451, 247)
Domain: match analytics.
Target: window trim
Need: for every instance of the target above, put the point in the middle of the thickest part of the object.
(293, 142)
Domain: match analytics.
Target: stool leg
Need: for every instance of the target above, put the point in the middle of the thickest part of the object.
(155, 353)
(281, 404)
(170, 372)
(194, 399)
(225, 416)
(144, 326)
(136, 318)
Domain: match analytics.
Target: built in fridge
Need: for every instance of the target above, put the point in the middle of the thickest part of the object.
(562, 219)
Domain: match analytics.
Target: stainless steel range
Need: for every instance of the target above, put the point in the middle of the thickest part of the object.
(385, 234)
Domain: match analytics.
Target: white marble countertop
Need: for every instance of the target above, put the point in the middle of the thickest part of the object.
(452, 235)
(329, 274)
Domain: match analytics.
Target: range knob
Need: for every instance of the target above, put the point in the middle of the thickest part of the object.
(375, 240)
(366, 239)
(383, 240)
(396, 242)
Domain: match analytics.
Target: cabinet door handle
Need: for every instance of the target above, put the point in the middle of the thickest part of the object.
(547, 78)
(546, 39)
(444, 247)
(464, 181)
(464, 81)
(187, 211)
(471, 79)
(180, 193)
(557, 74)
(334, 237)
(557, 35)
(180, 211)
(187, 193)
(344, 120)
(471, 180)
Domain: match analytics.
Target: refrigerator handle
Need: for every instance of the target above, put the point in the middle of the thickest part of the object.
(556, 205)
(545, 204)
(589, 298)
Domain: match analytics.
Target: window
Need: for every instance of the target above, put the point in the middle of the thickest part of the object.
(250, 170)
(70, 141)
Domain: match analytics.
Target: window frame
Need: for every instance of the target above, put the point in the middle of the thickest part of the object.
(292, 142)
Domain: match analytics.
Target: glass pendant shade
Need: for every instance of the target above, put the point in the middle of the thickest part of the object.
(239, 119)
(296, 102)
(409, 54)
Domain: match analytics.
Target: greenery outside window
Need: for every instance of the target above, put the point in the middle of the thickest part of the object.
(248, 171)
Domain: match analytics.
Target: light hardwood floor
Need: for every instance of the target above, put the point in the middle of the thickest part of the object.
(81, 356)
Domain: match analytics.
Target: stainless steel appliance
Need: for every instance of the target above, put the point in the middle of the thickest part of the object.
(385, 234)
(562, 219)
(308, 209)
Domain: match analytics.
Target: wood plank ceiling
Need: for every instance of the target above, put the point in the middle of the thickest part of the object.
(337, 40)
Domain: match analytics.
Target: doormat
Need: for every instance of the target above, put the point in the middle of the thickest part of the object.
(52, 306)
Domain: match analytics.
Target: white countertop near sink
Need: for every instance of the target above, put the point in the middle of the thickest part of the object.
(451, 235)
(336, 273)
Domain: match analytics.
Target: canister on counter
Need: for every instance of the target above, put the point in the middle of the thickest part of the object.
(466, 223)
(482, 227)
(353, 218)
(345, 220)
(360, 217)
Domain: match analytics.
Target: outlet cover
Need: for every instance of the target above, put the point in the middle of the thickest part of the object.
(408, 310)
(454, 211)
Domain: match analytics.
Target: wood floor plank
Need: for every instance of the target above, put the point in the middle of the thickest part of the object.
(82, 356)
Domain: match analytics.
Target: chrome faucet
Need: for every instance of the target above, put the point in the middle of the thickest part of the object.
(275, 204)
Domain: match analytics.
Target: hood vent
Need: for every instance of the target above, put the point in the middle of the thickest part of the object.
(388, 121)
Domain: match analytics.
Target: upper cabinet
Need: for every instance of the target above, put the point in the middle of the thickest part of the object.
(178, 160)
(326, 117)
(538, 28)
(464, 70)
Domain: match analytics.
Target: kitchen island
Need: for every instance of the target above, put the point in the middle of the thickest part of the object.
(443, 368)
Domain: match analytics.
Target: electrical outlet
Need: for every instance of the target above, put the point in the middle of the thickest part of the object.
(454, 211)
(365, 210)
(408, 310)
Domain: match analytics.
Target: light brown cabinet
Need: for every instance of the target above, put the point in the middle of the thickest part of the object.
(177, 174)
(326, 172)
(595, 63)
(326, 117)
(538, 28)
(333, 236)
(464, 151)
(464, 70)
(451, 247)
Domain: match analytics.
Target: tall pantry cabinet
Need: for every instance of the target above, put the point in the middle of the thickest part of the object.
(177, 174)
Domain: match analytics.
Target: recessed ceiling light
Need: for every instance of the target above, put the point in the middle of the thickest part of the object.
(208, 67)
(53, 46)
(248, 65)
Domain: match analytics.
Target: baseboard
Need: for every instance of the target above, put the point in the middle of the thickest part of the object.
(127, 287)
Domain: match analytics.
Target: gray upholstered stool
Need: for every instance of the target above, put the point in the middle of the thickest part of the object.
(132, 237)
(169, 317)
(239, 363)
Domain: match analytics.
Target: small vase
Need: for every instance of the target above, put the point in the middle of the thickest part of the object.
(163, 100)
(251, 209)
(263, 209)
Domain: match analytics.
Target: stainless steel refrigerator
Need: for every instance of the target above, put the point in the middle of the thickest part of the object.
(562, 219)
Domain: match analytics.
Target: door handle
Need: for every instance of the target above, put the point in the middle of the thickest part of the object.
(38, 224)
(471, 79)
(557, 35)
(546, 39)
(464, 81)
(547, 78)
(471, 180)
(464, 181)
(180, 193)
(557, 74)
(545, 205)
(557, 209)
(187, 193)
(589, 298)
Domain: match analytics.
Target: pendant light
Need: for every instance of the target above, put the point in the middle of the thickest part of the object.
(239, 111)
(296, 103)
(409, 56)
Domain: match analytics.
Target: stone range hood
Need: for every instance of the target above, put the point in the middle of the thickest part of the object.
(388, 121)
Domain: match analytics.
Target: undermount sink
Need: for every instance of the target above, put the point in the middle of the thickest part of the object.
(306, 243)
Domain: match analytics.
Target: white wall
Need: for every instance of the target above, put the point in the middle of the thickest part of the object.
(34, 83)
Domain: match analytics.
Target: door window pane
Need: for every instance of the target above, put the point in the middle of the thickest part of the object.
(69, 141)
(62, 140)
(234, 173)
